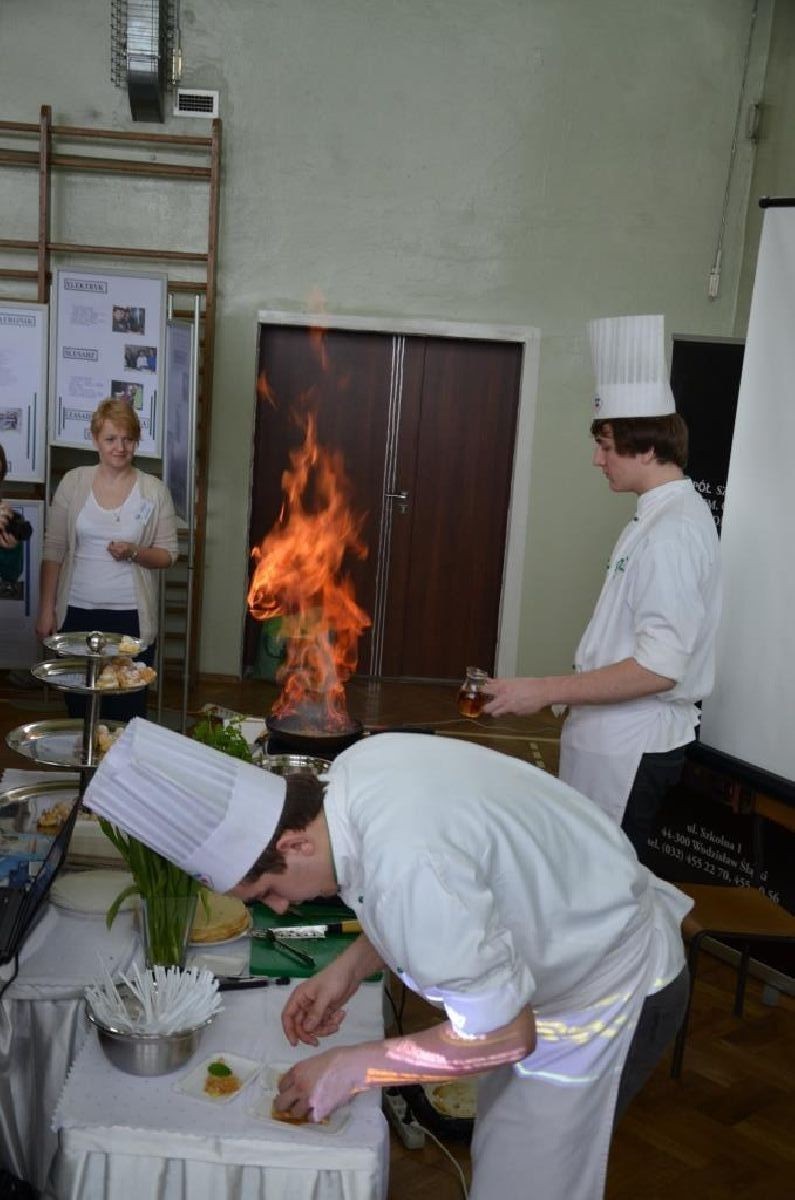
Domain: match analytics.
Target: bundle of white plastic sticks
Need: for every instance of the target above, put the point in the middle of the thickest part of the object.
(161, 1000)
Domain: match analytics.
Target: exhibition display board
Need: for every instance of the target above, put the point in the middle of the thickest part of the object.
(23, 389)
(107, 340)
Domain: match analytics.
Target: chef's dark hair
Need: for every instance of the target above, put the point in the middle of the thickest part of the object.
(302, 802)
(666, 436)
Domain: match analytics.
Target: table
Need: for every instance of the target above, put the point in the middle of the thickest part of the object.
(130, 1137)
(42, 1027)
(119, 1135)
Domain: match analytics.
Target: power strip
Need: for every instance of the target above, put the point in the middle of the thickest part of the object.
(402, 1120)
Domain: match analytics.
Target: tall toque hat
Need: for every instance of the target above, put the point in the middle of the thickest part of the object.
(629, 364)
(209, 813)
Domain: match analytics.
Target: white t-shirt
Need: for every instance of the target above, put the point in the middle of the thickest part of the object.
(488, 885)
(98, 581)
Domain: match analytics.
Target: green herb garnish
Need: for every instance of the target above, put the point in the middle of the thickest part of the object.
(219, 1068)
(226, 738)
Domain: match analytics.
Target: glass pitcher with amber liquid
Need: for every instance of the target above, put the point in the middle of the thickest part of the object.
(471, 694)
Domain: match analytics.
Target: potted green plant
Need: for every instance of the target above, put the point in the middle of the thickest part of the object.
(168, 899)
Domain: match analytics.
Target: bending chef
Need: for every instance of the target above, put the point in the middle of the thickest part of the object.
(483, 883)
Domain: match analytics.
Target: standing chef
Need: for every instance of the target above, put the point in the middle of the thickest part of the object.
(487, 886)
(648, 654)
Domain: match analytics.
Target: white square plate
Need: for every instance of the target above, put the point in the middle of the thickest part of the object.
(264, 1095)
(193, 1084)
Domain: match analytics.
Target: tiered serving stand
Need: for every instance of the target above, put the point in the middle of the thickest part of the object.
(67, 744)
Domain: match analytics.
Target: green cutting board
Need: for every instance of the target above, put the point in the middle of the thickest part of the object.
(266, 959)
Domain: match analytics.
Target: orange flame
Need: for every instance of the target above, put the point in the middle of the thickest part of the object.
(299, 576)
(264, 390)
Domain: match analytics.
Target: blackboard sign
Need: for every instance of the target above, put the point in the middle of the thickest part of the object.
(705, 381)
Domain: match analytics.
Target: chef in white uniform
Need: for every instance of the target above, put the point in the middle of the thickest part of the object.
(489, 887)
(648, 654)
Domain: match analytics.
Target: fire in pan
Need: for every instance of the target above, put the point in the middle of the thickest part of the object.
(294, 733)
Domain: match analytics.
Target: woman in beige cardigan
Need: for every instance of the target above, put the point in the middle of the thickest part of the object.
(110, 528)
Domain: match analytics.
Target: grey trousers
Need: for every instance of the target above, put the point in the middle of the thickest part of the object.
(658, 1025)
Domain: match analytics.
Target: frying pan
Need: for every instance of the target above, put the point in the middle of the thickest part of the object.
(317, 741)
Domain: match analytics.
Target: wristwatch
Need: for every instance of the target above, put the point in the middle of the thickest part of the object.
(134, 555)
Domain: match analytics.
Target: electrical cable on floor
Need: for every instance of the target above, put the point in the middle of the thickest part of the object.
(446, 1152)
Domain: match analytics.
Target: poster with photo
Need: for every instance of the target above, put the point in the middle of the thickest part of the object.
(178, 449)
(23, 389)
(19, 591)
(108, 331)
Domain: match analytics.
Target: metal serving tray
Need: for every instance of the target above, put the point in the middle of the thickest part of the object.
(53, 743)
(21, 809)
(69, 674)
(74, 644)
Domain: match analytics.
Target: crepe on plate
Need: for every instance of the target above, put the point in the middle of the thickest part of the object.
(227, 918)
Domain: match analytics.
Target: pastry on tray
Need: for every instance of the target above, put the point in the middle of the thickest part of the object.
(122, 672)
(54, 817)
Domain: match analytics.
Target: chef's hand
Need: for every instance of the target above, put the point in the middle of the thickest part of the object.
(122, 551)
(314, 1009)
(319, 1084)
(519, 696)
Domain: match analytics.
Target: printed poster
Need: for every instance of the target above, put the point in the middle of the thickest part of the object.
(23, 389)
(108, 341)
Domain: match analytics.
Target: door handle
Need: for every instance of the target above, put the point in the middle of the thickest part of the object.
(401, 497)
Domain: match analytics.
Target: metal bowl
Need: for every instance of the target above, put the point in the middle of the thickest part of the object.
(293, 764)
(147, 1053)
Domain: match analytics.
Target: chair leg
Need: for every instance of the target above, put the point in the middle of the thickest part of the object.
(742, 975)
(681, 1037)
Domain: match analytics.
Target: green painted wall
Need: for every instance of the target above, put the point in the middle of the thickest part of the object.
(535, 162)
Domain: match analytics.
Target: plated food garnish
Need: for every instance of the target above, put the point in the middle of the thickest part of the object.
(289, 1118)
(220, 1079)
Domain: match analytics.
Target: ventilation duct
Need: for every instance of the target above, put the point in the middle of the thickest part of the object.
(142, 41)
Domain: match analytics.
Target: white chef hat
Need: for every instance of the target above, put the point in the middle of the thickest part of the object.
(209, 813)
(629, 364)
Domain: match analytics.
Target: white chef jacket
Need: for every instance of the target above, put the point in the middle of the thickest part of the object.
(488, 885)
(660, 604)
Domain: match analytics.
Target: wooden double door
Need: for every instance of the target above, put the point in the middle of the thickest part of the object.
(426, 428)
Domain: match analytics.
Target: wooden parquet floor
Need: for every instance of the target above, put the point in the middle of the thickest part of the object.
(727, 1129)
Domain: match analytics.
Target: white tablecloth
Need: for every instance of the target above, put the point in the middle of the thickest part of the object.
(132, 1138)
(42, 1026)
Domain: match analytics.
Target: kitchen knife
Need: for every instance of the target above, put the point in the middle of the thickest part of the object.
(328, 929)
